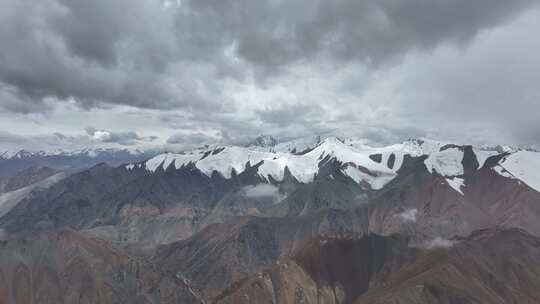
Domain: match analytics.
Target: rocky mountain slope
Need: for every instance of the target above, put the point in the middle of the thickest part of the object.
(489, 266)
(216, 216)
(10, 199)
(66, 267)
(326, 270)
(435, 183)
(27, 177)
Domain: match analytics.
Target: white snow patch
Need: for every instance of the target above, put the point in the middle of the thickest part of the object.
(353, 155)
(167, 158)
(482, 156)
(302, 167)
(523, 165)
(446, 163)
(456, 183)
(376, 182)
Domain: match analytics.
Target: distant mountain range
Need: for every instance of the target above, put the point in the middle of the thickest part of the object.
(11, 162)
(314, 220)
(58, 155)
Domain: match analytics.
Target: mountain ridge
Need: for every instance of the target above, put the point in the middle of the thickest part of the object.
(215, 216)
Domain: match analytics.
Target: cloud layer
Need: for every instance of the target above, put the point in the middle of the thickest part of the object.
(387, 68)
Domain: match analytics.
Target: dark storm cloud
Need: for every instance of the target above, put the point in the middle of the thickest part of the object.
(92, 51)
(91, 29)
(151, 55)
(273, 33)
(492, 86)
(288, 68)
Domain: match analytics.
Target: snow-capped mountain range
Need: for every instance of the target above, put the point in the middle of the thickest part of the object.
(376, 166)
(196, 212)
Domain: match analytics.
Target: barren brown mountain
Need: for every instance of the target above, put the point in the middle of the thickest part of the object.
(489, 266)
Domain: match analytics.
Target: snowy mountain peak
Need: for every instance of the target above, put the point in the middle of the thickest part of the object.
(522, 165)
(375, 166)
(21, 154)
(303, 167)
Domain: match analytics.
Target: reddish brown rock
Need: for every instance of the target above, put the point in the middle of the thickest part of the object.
(67, 267)
(490, 266)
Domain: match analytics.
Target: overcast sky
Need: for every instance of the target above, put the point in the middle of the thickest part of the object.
(143, 73)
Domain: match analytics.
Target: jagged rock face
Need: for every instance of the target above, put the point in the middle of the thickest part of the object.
(75, 202)
(326, 270)
(224, 253)
(347, 266)
(66, 267)
(439, 211)
(388, 216)
(138, 209)
(330, 189)
(424, 205)
(132, 207)
(483, 268)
